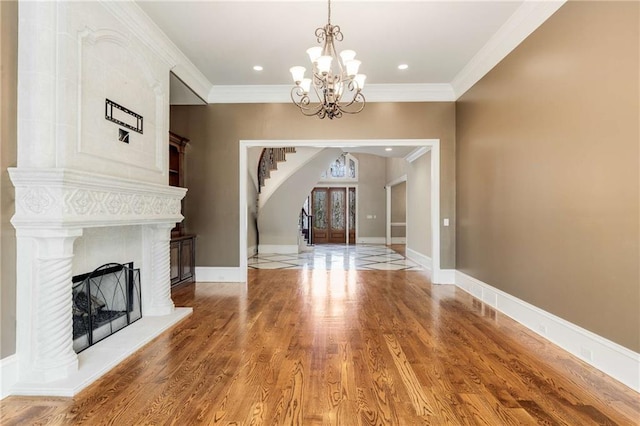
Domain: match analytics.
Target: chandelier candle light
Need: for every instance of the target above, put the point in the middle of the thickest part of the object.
(335, 77)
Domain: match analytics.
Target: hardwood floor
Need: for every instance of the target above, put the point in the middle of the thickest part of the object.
(340, 348)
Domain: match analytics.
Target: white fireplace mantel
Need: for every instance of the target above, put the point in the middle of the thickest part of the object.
(64, 198)
(53, 207)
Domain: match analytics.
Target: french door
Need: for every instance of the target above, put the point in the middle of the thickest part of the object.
(333, 215)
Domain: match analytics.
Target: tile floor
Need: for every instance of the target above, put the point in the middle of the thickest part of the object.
(337, 257)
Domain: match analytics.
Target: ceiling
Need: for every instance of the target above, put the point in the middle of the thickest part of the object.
(447, 44)
(225, 39)
(440, 40)
(396, 151)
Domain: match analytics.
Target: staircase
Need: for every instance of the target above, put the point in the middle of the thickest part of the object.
(281, 224)
(269, 161)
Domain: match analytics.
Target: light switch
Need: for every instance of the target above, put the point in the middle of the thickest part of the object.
(446, 222)
(369, 216)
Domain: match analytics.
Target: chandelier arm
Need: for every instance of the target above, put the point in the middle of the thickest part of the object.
(353, 112)
(336, 32)
(318, 81)
(359, 100)
(310, 112)
(321, 35)
(303, 102)
(357, 95)
(320, 88)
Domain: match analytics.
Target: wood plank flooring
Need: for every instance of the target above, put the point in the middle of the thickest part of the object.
(340, 348)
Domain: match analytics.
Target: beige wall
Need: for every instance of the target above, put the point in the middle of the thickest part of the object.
(419, 205)
(548, 160)
(371, 196)
(215, 131)
(399, 202)
(399, 208)
(8, 158)
(396, 168)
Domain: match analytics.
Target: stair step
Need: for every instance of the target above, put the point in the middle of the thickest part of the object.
(269, 161)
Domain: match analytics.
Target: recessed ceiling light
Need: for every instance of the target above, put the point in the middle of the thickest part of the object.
(403, 66)
(388, 149)
(257, 68)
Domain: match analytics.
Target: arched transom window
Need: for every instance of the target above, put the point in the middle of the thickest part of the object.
(344, 168)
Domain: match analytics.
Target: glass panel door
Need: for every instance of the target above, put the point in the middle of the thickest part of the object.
(319, 202)
(337, 216)
(352, 215)
(330, 216)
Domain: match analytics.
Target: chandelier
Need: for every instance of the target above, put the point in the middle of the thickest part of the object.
(335, 79)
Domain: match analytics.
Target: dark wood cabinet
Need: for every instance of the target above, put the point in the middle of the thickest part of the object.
(177, 148)
(183, 256)
(183, 247)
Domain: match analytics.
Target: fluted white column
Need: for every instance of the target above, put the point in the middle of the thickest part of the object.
(156, 279)
(51, 355)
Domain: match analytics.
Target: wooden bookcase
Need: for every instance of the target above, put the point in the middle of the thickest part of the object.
(183, 246)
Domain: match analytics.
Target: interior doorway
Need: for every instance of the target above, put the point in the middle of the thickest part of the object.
(396, 220)
(421, 146)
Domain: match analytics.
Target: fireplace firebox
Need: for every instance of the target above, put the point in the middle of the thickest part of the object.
(104, 302)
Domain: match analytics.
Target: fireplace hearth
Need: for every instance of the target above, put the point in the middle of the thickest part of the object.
(104, 302)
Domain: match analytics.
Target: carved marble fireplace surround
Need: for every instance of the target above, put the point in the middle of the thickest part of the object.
(53, 207)
(83, 196)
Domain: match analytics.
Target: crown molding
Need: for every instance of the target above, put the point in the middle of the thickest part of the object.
(416, 153)
(432, 92)
(249, 94)
(524, 21)
(372, 93)
(142, 26)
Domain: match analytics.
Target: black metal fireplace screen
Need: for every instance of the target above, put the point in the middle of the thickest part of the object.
(104, 301)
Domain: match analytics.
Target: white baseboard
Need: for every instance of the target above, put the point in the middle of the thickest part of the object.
(438, 276)
(371, 240)
(444, 276)
(214, 274)
(251, 251)
(617, 361)
(398, 240)
(278, 249)
(8, 374)
(419, 258)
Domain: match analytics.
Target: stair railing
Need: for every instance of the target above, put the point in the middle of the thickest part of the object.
(269, 161)
(306, 225)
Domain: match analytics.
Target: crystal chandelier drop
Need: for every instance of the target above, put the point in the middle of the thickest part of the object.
(335, 79)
